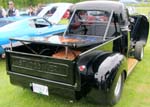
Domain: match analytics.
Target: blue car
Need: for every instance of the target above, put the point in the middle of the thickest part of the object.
(26, 27)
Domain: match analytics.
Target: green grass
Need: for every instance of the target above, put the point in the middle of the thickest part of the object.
(145, 10)
(135, 94)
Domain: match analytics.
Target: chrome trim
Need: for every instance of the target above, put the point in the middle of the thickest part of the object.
(118, 86)
(69, 23)
(42, 79)
(99, 45)
(107, 27)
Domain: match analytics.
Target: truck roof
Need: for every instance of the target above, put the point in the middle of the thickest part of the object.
(109, 6)
(117, 7)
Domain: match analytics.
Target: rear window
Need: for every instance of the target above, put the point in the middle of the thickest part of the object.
(89, 22)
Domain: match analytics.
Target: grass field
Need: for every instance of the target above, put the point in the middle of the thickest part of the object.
(135, 94)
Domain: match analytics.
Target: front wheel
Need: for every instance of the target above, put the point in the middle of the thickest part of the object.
(139, 51)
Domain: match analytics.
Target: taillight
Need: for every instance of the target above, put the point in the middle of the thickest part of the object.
(82, 68)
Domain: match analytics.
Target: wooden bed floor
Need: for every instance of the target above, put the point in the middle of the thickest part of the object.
(131, 64)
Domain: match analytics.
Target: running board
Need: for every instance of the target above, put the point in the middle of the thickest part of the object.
(131, 64)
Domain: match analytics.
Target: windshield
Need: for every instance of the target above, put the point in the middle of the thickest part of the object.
(89, 22)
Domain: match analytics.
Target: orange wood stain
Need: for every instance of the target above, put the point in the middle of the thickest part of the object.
(131, 63)
(62, 39)
(70, 55)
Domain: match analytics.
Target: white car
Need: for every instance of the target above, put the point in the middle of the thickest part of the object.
(54, 12)
(129, 1)
(131, 9)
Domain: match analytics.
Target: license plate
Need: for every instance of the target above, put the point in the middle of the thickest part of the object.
(40, 89)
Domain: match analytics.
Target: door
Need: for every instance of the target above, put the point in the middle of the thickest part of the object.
(140, 28)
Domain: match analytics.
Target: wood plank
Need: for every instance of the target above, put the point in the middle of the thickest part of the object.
(71, 55)
(131, 64)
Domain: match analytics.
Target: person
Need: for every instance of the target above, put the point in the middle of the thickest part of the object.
(65, 18)
(12, 11)
(39, 8)
(2, 12)
(66, 14)
(31, 11)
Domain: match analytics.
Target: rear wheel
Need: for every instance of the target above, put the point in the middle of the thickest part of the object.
(118, 86)
(139, 51)
(117, 91)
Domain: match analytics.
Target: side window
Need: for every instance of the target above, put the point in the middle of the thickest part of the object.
(51, 12)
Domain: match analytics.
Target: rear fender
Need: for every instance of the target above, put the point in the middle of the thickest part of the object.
(85, 78)
(105, 77)
(88, 59)
(109, 70)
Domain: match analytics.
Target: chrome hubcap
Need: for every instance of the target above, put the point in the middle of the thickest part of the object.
(142, 53)
(118, 86)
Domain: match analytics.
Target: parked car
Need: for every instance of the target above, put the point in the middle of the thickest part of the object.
(23, 13)
(26, 27)
(92, 59)
(54, 12)
(8, 20)
(129, 1)
(131, 10)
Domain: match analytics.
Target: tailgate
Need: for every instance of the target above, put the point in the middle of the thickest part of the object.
(41, 66)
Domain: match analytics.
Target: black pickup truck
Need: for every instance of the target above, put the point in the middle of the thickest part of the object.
(93, 57)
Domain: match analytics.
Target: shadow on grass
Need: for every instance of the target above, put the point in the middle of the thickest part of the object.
(27, 97)
(53, 99)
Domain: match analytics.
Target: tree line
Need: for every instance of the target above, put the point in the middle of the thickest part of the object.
(27, 3)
